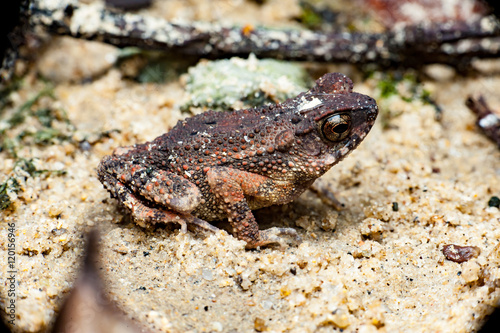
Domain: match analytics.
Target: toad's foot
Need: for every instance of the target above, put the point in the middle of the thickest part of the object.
(272, 236)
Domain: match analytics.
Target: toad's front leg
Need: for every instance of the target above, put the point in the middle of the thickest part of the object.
(232, 187)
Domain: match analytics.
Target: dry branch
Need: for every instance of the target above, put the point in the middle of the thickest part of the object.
(487, 120)
(455, 43)
(450, 43)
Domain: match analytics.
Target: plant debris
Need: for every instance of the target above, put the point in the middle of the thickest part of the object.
(487, 120)
(266, 81)
(23, 168)
(408, 89)
(51, 125)
(454, 43)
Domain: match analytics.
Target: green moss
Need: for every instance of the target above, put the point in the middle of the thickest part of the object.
(19, 116)
(407, 88)
(23, 168)
(324, 15)
(387, 87)
(46, 132)
(233, 83)
(45, 126)
(47, 116)
(10, 185)
(9, 145)
(163, 69)
(27, 165)
(152, 66)
(310, 17)
(47, 136)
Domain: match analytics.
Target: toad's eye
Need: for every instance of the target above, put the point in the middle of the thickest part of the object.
(336, 127)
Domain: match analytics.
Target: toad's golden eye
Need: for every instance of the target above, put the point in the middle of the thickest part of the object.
(336, 127)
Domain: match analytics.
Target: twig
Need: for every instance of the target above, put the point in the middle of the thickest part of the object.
(487, 120)
(453, 43)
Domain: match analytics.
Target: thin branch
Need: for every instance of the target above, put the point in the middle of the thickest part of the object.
(449, 43)
(455, 43)
(487, 120)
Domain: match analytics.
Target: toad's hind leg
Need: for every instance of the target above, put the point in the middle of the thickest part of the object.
(146, 216)
(160, 187)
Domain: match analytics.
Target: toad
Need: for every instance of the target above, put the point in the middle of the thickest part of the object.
(219, 165)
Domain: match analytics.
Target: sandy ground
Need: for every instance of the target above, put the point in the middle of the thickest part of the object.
(369, 267)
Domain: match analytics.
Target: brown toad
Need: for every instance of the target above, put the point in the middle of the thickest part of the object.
(225, 164)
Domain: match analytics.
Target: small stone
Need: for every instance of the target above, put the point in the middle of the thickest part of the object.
(59, 232)
(440, 72)
(259, 324)
(217, 326)
(329, 223)
(86, 60)
(337, 318)
(85, 145)
(305, 223)
(55, 211)
(263, 78)
(121, 249)
(470, 271)
(245, 282)
(372, 228)
(460, 254)
(494, 202)
(207, 274)
(267, 305)
(340, 319)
